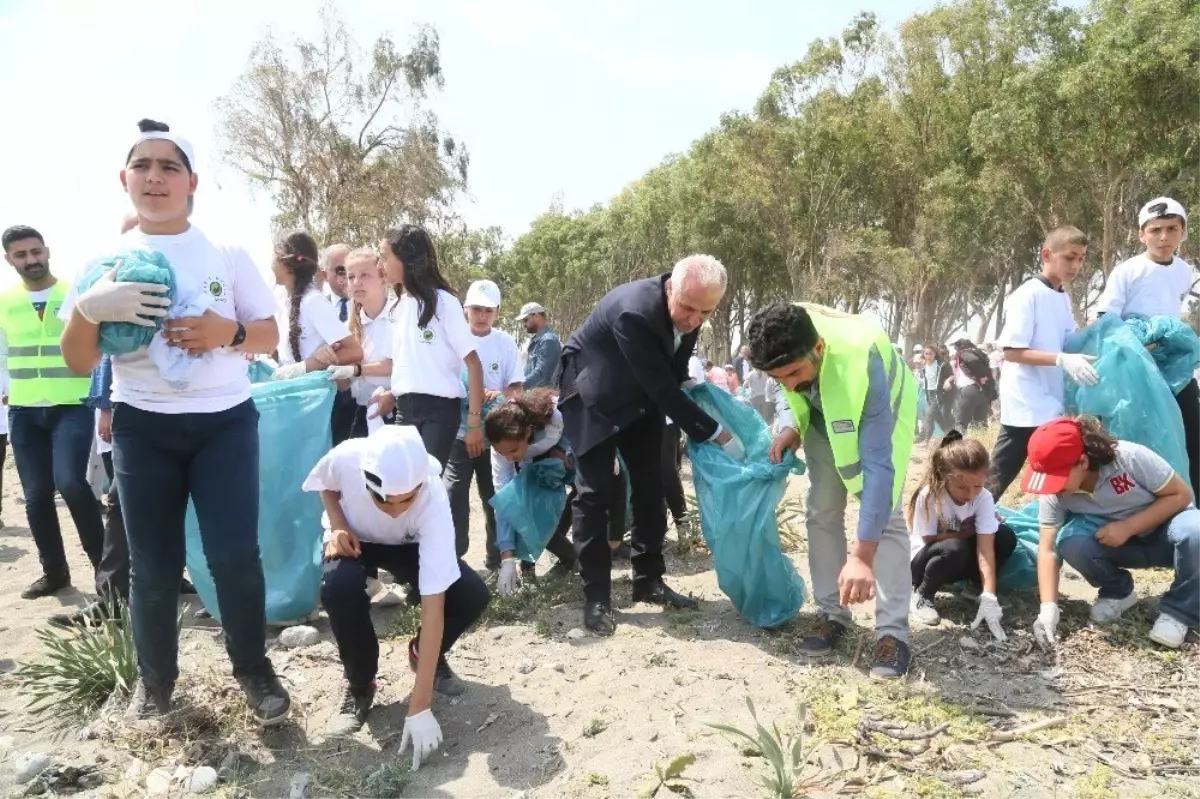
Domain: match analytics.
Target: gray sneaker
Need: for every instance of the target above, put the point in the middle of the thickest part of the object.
(149, 701)
(356, 705)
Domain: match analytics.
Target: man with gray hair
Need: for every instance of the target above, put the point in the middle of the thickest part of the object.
(622, 372)
(333, 272)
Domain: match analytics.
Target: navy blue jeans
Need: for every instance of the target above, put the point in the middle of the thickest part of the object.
(52, 446)
(1174, 545)
(161, 460)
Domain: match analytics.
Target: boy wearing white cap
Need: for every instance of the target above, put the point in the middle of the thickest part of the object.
(501, 376)
(385, 507)
(1155, 283)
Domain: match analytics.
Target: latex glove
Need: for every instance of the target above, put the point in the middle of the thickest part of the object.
(340, 372)
(290, 371)
(689, 383)
(508, 577)
(1079, 367)
(989, 611)
(381, 403)
(1045, 629)
(425, 734)
(734, 449)
(110, 301)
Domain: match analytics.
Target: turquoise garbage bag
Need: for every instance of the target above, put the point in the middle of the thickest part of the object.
(532, 504)
(737, 513)
(133, 266)
(1020, 572)
(1132, 399)
(1175, 347)
(293, 434)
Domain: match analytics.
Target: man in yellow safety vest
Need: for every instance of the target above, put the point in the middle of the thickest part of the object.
(50, 426)
(849, 397)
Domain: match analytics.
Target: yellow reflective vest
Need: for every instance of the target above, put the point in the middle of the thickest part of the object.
(38, 375)
(843, 384)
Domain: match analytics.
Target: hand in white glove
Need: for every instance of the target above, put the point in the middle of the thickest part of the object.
(425, 734)
(689, 383)
(1045, 629)
(507, 583)
(734, 449)
(1079, 367)
(110, 301)
(989, 611)
(290, 371)
(341, 372)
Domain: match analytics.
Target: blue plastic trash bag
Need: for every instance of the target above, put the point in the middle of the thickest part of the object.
(260, 371)
(133, 266)
(293, 434)
(532, 503)
(1132, 400)
(1020, 572)
(1176, 348)
(737, 513)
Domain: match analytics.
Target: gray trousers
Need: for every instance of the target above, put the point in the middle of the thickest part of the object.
(826, 527)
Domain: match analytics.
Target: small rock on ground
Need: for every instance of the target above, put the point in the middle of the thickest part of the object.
(203, 780)
(29, 765)
(575, 634)
(525, 666)
(299, 636)
(300, 787)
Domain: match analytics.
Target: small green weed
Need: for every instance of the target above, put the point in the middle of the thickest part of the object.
(670, 777)
(1096, 784)
(595, 779)
(659, 660)
(389, 780)
(788, 755)
(932, 788)
(594, 727)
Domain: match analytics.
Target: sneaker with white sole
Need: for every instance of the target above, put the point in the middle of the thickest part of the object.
(1168, 631)
(923, 610)
(1105, 610)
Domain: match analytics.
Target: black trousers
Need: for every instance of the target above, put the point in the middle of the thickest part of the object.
(344, 595)
(112, 573)
(640, 445)
(956, 560)
(672, 462)
(1189, 406)
(459, 472)
(3, 455)
(971, 408)
(341, 420)
(1008, 456)
(436, 419)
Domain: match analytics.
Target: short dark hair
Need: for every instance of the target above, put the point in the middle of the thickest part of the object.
(778, 334)
(148, 125)
(18, 232)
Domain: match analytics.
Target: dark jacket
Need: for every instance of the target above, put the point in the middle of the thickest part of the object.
(621, 364)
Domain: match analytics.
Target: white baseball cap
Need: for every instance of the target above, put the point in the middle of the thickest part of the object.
(483, 294)
(529, 309)
(1158, 208)
(395, 461)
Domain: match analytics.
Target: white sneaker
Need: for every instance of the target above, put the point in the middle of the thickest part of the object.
(1168, 631)
(923, 610)
(1105, 610)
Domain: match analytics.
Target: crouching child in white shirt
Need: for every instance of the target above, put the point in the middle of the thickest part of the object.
(385, 506)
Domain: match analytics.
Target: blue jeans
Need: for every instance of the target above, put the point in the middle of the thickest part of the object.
(161, 460)
(52, 446)
(1175, 544)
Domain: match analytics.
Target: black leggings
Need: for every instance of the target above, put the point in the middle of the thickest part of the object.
(955, 560)
(1189, 406)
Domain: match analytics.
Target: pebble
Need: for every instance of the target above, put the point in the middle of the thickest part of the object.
(90, 780)
(299, 636)
(29, 765)
(525, 666)
(203, 780)
(968, 643)
(300, 786)
(158, 782)
(7, 665)
(575, 634)
(135, 770)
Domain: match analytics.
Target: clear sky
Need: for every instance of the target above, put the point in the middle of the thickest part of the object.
(570, 98)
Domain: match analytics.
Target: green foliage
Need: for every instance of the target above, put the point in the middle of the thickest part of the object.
(389, 780)
(929, 787)
(670, 777)
(1096, 784)
(594, 727)
(593, 778)
(789, 755)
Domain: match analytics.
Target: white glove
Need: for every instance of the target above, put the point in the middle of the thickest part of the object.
(989, 611)
(734, 449)
(1045, 629)
(341, 372)
(508, 577)
(290, 371)
(110, 301)
(425, 734)
(1079, 367)
(689, 383)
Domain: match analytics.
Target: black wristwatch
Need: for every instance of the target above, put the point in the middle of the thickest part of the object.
(239, 336)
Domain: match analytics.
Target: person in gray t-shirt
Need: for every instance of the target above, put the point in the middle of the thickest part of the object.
(1150, 519)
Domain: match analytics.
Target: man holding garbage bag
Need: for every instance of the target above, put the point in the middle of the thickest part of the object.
(621, 372)
(849, 398)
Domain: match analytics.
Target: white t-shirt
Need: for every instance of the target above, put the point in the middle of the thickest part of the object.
(1037, 318)
(498, 354)
(696, 370)
(427, 523)
(238, 291)
(1141, 287)
(429, 360)
(319, 324)
(977, 516)
(377, 346)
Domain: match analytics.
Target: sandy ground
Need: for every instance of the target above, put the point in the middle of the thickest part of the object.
(552, 715)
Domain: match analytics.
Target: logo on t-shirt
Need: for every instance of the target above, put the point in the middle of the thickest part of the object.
(1121, 483)
(217, 289)
(495, 367)
(426, 336)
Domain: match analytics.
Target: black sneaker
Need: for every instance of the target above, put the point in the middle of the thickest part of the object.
(891, 659)
(47, 585)
(186, 588)
(622, 552)
(598, 617)
(560, 571)
(149, 701)
(445, 681)
(356, 705)
(90, 616)
(266, 696)
(824, 637)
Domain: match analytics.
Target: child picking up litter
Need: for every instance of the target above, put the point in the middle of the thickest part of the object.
(956, 535)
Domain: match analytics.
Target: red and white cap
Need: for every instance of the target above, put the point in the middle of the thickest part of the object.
(1054, 449)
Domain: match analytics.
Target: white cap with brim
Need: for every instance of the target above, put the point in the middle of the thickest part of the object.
(165, 135)
(395, 461)
(1161, 207)
(482, 294)
(529, 309)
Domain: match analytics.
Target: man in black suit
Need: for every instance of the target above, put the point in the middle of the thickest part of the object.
(621, 372)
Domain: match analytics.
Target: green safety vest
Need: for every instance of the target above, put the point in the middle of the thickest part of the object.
(36, 369)
(843, 383)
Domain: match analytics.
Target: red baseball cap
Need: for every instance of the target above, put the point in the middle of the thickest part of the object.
(1054, 449)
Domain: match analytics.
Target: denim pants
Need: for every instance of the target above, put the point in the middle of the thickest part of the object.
(1176, 544)
(457, 476)
(344, 595)
(52, 446)
(161, 460)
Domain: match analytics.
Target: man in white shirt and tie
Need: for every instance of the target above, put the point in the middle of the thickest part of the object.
(333, 267)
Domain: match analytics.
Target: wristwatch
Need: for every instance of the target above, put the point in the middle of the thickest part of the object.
(239, 336)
